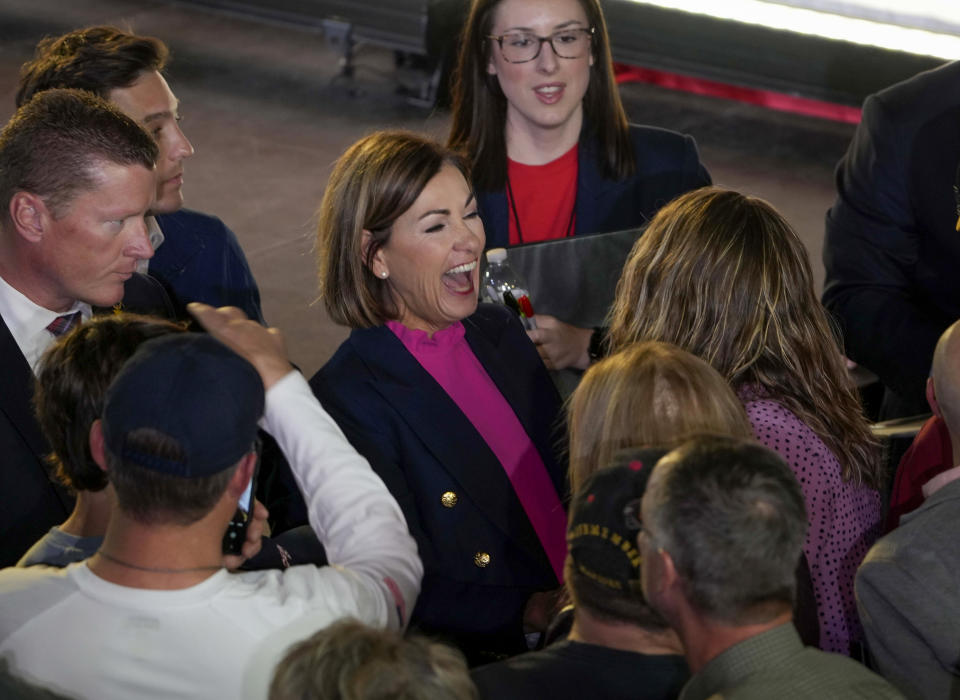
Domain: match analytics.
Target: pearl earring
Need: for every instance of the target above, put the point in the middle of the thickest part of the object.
(384, 275)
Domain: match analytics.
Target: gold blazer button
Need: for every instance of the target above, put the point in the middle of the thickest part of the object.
(449, 499)
(481, 559)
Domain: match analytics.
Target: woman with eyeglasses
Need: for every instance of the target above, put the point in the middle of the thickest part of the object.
(537, 111)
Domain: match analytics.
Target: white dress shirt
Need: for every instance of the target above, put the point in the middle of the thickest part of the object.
(28, 322)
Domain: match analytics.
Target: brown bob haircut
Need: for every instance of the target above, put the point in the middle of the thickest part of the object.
(725, 277)
(480, 108)
(650, 394)
(373, 183)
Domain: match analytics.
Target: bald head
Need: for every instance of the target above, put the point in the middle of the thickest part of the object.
(946, 376)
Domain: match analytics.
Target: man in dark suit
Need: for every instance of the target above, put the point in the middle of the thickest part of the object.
(892, 249)
(76, 181)
(197, 257)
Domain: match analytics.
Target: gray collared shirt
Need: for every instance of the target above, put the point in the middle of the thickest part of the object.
(775, 664)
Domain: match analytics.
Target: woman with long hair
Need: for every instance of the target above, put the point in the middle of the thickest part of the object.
(537, 111)
(725, 277)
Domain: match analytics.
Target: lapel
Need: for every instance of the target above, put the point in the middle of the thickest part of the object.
(445, 431)
(496, 216)
(591, 185)
(486, 338)
(181, 244)
(16, 399)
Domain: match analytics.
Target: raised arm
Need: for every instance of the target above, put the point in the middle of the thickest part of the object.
(352, 512)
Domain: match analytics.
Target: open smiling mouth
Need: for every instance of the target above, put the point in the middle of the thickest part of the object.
(459, 279)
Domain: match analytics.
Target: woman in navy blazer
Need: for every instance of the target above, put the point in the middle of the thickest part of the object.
(537, 111)
(399, 242)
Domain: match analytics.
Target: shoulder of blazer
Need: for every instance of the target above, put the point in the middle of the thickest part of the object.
(490, 321)
(143, 294)
(922, 96)
(495, 213)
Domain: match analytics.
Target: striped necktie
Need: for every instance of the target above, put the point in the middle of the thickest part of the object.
(62, 324)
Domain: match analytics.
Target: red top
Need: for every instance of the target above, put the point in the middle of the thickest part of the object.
(543, 197)
(930, 454)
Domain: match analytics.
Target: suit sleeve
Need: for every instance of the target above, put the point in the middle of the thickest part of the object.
(906, 608)
(870, 249)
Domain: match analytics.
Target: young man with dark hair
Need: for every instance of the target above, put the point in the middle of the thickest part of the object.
(72, 380)
(618, 645)
(153, 613)
(76, 180)
(723, 525)
(197, 258)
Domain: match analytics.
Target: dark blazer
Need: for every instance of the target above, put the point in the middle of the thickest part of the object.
(30, 501)
(423, 447)
(201, 260)
(891, 250)
(667, 166)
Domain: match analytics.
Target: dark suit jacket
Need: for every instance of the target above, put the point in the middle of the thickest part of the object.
(423, 446)
(667, 166)
(30, 502)
(201, 260)
(891, 250)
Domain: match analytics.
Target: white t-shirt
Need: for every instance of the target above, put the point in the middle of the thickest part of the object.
(69, 630)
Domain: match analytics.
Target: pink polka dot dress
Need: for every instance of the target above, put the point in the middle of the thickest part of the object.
(844, 519)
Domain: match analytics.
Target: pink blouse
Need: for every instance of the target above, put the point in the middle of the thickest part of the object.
(447, 357)
(845, 519)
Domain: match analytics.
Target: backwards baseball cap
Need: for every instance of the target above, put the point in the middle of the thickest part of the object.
(603, 528)
(193, 389)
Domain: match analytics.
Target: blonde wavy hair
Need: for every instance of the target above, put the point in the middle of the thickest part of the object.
(725, 277)
(649, 394)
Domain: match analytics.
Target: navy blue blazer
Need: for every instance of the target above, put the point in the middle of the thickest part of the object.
(31, 502)
(668, 165)
(421, 444)
(891, 249)
(200, 259)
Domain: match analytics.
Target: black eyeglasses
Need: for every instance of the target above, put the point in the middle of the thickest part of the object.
(520, 47)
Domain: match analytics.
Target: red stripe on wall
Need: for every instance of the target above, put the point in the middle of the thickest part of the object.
(765, 98)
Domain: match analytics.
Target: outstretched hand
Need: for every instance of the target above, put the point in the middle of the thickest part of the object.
(561, 345)
(264, 348)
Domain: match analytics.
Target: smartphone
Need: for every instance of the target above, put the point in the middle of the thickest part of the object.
(236, 533)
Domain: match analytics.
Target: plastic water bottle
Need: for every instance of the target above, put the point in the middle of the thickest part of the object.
(501, 285)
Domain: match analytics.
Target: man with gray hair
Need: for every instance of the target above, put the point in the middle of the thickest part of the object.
(907, 585)
(723, 525)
